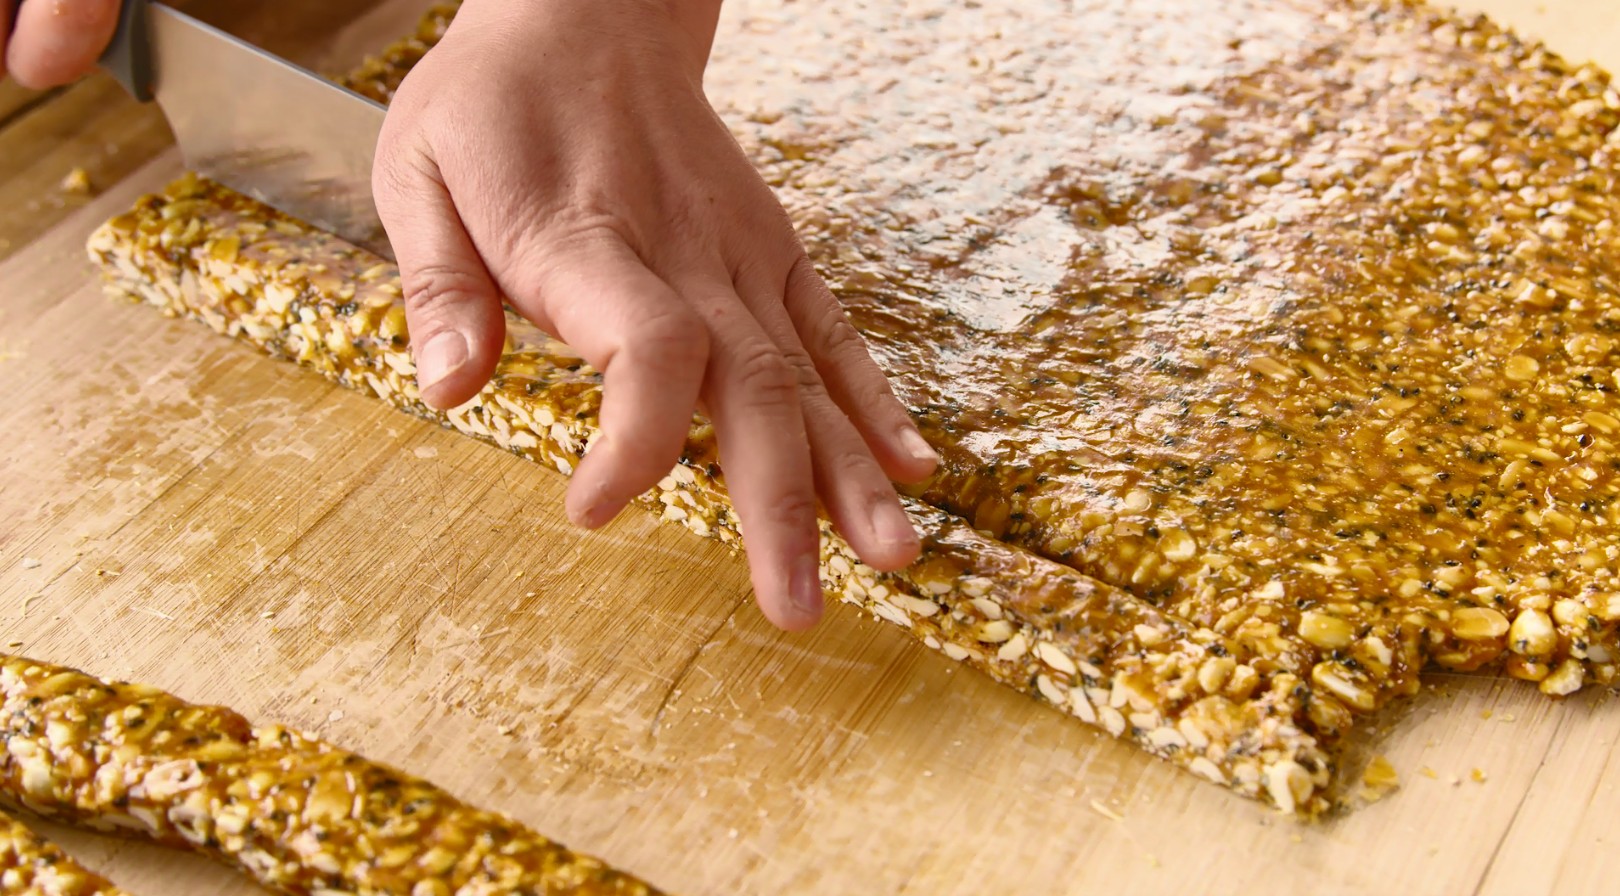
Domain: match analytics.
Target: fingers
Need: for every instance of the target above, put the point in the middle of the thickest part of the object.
(853, 379)
(851, 484)
(652, 351)
(752, 395)
(858, 495)
(452, 307)
(57, 41)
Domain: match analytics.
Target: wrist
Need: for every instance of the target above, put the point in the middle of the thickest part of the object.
(687, 24)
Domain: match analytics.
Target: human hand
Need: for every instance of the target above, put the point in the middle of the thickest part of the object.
(560, 153)
(54, 42)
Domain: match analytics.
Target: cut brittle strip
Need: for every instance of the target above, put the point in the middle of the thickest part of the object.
(1092, 650)
(298, 815)
(380, 75)
(33, 866)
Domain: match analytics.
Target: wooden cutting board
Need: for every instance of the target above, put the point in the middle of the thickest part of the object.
(181, 511)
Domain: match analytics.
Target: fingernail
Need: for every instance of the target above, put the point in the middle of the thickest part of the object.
(593, 514)
(439, 358)
(891, 526)
(587, 497)
(805, 587)
(917, 446)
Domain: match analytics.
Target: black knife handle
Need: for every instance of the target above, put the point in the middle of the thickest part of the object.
(129, 57)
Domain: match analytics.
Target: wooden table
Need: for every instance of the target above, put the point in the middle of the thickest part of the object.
(239, 532)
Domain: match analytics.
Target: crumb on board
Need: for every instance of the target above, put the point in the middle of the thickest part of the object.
(1104, 811)
(1378, 780)
(31, 563)
(1427, 772)
(1477, 776)
(78, 183)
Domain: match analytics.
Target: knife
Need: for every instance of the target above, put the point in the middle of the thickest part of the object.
(254, 121)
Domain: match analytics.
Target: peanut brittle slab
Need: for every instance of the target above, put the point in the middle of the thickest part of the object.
(1271, 350)
(1296, 319)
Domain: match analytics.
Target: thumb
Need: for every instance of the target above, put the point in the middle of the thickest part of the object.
(54, 43)
(452, 307)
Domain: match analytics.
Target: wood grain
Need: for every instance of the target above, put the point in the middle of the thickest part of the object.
(234, 530)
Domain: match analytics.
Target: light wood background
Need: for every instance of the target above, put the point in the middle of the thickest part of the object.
(239, 532)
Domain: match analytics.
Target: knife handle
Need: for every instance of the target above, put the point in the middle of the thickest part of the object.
(129, 57)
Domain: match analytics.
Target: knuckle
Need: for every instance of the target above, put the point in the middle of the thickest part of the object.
(673, 329)
(791, 509)
(805, 373)
(388, 176)
(398, 172)
(856, 466)
(766, 374)
(439, 289)
(875, 399)
(590, 219)
(553, 237)
(833, 335)
(756, 272)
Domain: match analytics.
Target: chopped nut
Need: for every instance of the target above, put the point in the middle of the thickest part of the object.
(1532, 634)
(1333, 678)
(1564, 680)
(1521, 368)
(995, 631)
(1325, 631)
(1478, 623)
(1288, 784)
(1056, 658)
(1378, 779)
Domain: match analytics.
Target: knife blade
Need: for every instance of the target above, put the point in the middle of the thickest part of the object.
(254, 121)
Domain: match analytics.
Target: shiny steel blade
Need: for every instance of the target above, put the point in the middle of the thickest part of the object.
(267, 128)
